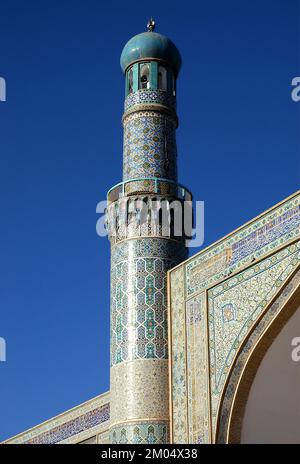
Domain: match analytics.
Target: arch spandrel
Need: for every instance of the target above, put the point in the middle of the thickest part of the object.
(247, 363)
(234, 309)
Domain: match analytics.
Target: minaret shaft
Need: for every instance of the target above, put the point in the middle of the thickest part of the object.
(143, 250)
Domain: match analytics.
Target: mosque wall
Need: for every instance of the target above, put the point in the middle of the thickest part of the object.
(217, 299)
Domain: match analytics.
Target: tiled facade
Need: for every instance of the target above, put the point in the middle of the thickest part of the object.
(88, 421)
(217, 299)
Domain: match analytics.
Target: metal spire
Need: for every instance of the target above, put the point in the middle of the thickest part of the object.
(151, 25)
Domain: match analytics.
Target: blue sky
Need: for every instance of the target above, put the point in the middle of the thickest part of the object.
(61, 150)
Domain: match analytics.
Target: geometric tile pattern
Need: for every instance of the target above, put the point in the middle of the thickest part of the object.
(139, 351)
(139, 300)
(142, 97)
(139, 357)
(149, 146)
(153, 433)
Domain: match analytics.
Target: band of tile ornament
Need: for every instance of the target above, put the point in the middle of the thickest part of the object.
(141, 433)
(142, 97)
(72, 427)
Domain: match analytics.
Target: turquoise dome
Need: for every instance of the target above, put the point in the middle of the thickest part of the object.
(150, 45)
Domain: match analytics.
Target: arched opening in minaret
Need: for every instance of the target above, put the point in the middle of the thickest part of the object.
(130, 81)
(162, 81)
(266, 406)
(144, 76)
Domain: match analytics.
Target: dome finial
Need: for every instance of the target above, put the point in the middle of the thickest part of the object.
(151, 25)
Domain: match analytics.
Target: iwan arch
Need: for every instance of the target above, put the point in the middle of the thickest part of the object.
(234, 310)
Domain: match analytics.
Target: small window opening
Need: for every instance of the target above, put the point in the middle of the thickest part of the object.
(162, 78)
(144, 77)
(130, 81)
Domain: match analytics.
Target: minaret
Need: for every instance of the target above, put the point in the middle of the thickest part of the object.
(143, 246)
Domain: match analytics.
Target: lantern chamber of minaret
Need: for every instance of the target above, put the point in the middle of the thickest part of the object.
(143, 246)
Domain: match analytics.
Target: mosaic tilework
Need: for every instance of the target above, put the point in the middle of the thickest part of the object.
(190, 386)
(249, 292)
(260, 257)
(139, 349)
(179, 383)
(253, 241)
(142, 97)
(75, 425)
(245, 353)
(141, 433)
(197, 370)
(149, 146)
(148, 248)
(140, 390)
(139, 300)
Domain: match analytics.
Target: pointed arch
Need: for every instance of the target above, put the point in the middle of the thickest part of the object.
(249, 359)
